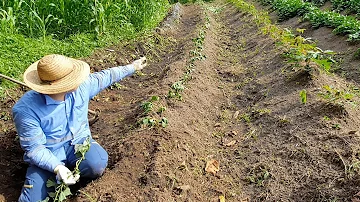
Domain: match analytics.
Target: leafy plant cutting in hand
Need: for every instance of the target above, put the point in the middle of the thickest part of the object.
(64, 177)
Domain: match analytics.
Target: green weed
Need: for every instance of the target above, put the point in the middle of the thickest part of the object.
(258, 176)
(246, 117)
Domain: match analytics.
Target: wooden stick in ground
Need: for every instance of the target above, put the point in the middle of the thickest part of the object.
(13, 80)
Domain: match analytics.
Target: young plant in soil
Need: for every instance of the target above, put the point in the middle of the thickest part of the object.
(303, 54)
(337, 97)
(150, 120)
(303, 96)
(178, 87)
(62, 191)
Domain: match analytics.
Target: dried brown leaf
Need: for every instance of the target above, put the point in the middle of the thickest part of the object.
(212, 166)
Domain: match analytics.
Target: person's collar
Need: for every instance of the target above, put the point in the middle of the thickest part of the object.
(50, 101)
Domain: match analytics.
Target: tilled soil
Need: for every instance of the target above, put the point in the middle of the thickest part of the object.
(240, 108)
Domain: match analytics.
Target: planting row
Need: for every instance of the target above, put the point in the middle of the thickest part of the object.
(152, 115)
(303, 55)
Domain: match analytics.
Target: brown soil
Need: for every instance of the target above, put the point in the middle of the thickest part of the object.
(284, 150)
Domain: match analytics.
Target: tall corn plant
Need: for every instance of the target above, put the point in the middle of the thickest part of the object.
(99, 17)
(8, 21)
(63, 18)
(8, 17)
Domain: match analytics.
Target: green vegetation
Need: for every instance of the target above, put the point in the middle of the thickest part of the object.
(258, 176)
(188, 1)
(30, 29)
(153, 111)
(338, 97)
(62, 191)
(353, 6)
(303, 96)
(342, 24)
(301, 53)
(176, 89)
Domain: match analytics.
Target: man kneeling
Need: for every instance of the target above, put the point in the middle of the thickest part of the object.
(52, 117)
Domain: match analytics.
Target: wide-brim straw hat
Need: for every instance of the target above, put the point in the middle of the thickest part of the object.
(54, 74)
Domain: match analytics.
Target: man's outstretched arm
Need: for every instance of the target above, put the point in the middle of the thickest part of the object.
(100, 80)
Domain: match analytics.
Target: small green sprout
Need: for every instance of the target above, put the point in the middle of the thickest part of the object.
(303, 96)
(164, 122)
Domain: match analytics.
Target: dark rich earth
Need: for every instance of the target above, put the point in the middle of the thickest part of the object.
(240, 107)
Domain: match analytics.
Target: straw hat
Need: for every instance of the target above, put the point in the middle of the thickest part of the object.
(54, 74)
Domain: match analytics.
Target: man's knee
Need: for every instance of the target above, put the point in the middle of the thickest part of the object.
(95, 162)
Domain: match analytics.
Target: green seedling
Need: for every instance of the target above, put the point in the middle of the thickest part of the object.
(215, 9)
(5, 116)
(149, 122)
(163, 122)
(218, 134)
(326, 118)
(147, 107)
(244, 82)
(117, 86)
(155, 98)
(62, 191)
(357, 54)
(353, 168)
(176, 89)
(161, 110)
(336, 126)
(252, 134)
(303, 96)
(338, 97)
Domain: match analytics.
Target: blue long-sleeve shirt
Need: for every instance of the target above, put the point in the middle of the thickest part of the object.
(44, 124)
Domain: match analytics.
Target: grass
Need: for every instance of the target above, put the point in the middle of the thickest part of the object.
(31, 29)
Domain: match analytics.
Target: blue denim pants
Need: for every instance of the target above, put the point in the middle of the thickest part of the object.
(92, 167)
